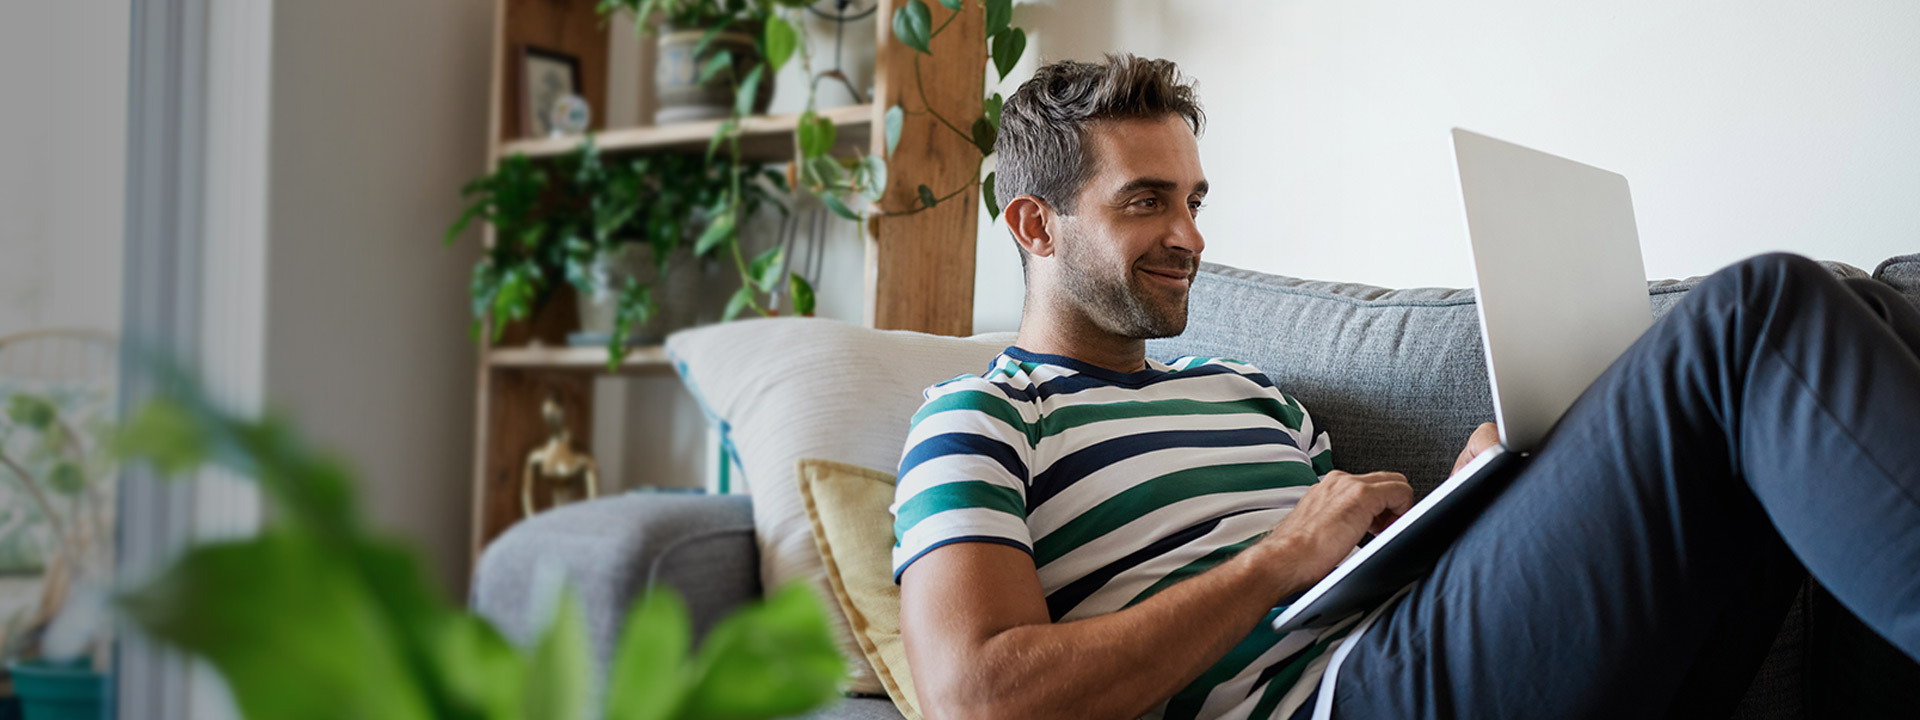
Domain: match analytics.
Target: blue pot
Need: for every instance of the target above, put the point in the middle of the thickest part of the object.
(58, 691)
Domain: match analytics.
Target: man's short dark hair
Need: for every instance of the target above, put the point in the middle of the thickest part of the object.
(1042, 143)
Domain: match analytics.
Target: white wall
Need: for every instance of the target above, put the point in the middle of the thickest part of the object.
(1743, 126)
(63, 68)
(379, 115)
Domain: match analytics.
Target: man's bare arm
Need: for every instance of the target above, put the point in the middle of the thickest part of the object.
(980, 643)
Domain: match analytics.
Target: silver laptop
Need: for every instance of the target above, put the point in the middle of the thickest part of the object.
(1562, 293)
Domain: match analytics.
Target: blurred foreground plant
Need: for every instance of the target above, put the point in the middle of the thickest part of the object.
(318, 617)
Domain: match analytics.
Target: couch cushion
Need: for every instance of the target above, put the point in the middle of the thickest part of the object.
(1903, 273)
(854, 529)
(783, 389)
(1397, 377)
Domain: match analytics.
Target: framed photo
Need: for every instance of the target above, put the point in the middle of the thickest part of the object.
(545, 77)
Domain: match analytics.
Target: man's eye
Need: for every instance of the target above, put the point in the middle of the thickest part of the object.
(1195, 207)
(1147, 203)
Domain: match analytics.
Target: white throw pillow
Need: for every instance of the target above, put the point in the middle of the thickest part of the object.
(783, 389)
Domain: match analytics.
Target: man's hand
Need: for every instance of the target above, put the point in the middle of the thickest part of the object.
(1334, 514)
(1484, 437)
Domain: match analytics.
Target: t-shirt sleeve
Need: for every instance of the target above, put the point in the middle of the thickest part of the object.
(963, 477)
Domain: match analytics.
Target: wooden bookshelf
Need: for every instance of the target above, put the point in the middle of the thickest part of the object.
(918, 268)
(641, 360)
(764, 138)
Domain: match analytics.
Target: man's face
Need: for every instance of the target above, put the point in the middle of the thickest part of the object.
(1128, 254)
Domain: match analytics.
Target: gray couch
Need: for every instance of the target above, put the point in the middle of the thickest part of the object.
(1396, 376)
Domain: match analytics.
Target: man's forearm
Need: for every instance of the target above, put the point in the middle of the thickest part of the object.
(1122, 664)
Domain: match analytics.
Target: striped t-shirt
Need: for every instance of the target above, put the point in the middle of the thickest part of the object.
(1120, 485)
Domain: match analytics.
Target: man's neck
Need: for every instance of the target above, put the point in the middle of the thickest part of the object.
(1079, 338)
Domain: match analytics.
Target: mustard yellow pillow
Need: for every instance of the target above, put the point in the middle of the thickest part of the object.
(847, 505)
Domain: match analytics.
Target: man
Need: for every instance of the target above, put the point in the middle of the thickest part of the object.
(1086, 532)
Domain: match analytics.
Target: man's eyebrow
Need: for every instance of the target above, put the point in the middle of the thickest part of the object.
(1154, 183)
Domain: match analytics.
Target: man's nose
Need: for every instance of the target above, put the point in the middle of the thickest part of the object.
(1186, 236)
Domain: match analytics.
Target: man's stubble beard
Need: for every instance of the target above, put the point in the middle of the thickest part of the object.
(1117, 305)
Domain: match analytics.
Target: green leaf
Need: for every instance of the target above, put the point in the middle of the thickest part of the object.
(719, 230)
(827, 171)
(66, 478)
(166, 435)
(482, 670)
(32, 411)
(781, 40)
(927, 199)
(992, 108)
(1007, 49)
(766, 268)
(983, 135)
(817, 135)
(719, 136)
(706, 39)
(739, 302)
(896, 119)
(953, 5)
(802, 293)
(993, 199)
(557, 670)
(293, 630)
(839, 208)
(913, 24)
(648, 661)
(775, 659)
(749, 90)
(999, 14)
(873, 179)
(715, 64)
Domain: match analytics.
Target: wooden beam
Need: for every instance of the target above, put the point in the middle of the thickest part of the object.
(920, 266)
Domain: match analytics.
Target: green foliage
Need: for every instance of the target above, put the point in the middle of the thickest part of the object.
(984, 134)
(553, 221)
(33, 411)
(780, 40)
(1008, 46)
(988, 193)
(999, 14)
(317, 617)
(737, 304)
(801, 292)
(895, 120)
(913, 25)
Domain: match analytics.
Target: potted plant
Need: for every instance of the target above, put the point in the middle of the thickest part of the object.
(616, 230)
(708, 50)
(55, 648)
(319, 616)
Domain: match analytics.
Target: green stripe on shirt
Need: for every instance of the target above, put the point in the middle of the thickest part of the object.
(1152, 495)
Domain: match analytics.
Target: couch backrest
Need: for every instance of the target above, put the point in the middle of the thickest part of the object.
(1397, 377)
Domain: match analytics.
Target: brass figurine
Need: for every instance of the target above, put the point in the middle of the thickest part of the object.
(557, 465)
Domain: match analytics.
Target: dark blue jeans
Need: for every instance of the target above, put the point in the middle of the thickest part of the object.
(1641, 564)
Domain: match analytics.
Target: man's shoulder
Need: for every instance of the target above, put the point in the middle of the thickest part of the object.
(1216, 365)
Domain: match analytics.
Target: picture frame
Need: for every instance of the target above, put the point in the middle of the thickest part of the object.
(545, 76)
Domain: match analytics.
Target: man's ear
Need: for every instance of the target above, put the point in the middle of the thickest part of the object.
(1028, 217)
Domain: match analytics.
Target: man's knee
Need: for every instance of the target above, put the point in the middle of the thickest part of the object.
(1768, 274)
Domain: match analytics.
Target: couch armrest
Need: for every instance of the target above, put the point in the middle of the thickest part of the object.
(611, 550)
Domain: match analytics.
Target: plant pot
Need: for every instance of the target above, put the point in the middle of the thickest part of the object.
(678, 93)
(676, 292)
(58, 691)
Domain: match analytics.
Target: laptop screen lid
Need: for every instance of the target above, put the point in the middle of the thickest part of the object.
(1561, 287)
